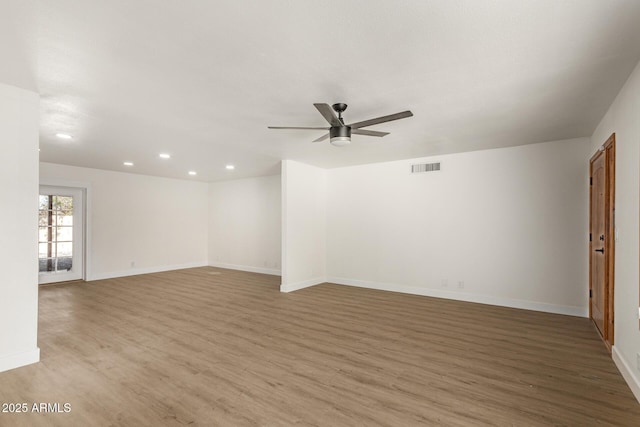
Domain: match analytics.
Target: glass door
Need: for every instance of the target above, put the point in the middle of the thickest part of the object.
(60, 234)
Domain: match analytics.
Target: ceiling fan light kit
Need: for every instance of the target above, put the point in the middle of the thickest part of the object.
(340, 133)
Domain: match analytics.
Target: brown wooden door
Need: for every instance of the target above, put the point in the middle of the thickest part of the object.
(601, 240)
(598, 227)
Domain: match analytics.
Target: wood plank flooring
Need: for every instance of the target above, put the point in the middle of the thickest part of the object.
(215, 347)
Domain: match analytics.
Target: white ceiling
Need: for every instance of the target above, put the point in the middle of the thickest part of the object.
(202, 80)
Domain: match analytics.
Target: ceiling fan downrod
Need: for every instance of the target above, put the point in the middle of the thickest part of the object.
(339, 108)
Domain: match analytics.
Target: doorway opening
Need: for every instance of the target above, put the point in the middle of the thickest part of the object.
(602, 169)
(60, 234)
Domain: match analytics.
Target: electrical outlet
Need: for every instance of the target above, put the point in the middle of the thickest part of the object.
(445, 283)
(460, 284)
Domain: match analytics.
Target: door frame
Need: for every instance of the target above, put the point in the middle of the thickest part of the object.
(78, 269)
(608, 149)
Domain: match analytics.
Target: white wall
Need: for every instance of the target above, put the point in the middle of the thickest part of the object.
(511, 224)
(19, 115)
(623, 118)
(157, 223)
(245, 224)
(303, 225)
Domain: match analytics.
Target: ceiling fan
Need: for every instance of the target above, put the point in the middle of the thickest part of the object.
(339, 132)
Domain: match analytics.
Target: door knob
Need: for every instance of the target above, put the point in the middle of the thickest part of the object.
(600, 250)
(602, 237)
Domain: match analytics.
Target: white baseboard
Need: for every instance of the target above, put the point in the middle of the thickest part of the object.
(290, 287)
(461, 296)
(271, 271)
(136, 271)
(16, 360)
(627, 373)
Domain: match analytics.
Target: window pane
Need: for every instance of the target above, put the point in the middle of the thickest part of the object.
(64, 263)
(43, 217)
(63, 203)
(46, 264)
(64, 219)
(65, 212)
(64, 234)
(43, 249)
(43, 202)
(65, 249)
(43, 234)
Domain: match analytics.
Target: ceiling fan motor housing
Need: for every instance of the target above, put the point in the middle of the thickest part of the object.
(340, 135)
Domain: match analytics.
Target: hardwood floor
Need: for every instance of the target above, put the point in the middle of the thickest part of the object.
(208, 346)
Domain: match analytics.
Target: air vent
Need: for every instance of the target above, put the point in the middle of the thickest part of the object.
(426, 167)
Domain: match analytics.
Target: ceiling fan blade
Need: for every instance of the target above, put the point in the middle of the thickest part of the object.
(322, 138)
(368, 132)
(382, 119)
(328, 114)
(297, 127)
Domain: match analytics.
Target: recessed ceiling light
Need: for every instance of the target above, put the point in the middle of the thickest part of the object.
(128, 163)
(193, 173)
(230, 167)
(63, 136)
(165, 156)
